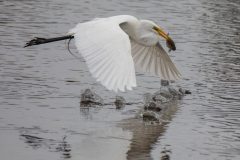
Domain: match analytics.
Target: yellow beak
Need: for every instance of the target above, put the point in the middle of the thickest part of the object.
(170, 42)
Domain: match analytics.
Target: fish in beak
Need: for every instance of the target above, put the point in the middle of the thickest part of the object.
(169, 41)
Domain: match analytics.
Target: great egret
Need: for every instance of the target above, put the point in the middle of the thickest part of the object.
(114, 46)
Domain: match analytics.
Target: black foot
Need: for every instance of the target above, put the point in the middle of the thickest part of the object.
(35, 41)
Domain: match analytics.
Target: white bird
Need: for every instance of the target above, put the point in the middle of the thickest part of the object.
(112, 47)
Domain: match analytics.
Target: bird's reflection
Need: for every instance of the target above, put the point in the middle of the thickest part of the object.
(146, 135)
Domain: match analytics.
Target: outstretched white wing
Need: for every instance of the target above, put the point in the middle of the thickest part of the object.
(154, 60)
(107, 51)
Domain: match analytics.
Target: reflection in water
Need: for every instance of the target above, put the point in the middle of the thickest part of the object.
(52, 145)
(146, 135)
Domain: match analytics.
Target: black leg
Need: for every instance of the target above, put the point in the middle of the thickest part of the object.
(37, 40)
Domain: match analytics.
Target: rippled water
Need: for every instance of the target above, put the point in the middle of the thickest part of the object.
(40, 114)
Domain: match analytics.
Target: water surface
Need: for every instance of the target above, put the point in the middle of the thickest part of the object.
(41, 86)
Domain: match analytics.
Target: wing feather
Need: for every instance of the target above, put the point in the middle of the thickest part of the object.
(146, 57)
(176, 74)
(153, 66)
(150, 64)
(154, 60)
(106, 49)
(156, 66)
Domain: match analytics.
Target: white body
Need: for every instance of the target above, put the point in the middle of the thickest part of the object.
(111, 46)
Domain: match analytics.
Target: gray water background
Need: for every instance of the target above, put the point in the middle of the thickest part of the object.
(40, 86)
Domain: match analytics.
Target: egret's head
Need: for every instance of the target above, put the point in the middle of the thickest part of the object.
(159, 31)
